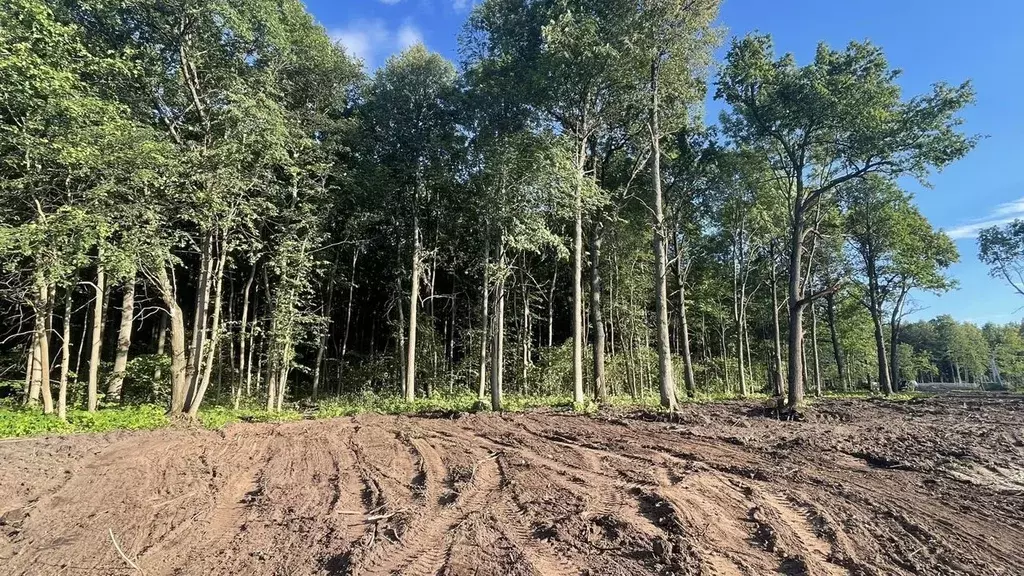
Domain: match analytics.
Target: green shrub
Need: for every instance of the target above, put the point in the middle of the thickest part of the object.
(25, 422)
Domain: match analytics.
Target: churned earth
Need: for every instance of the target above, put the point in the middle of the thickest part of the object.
(931, 486)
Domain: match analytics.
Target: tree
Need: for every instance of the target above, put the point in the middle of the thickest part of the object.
(410, 124)
(1001, 248)
(896, 251)
(818, 133)
(667, 47)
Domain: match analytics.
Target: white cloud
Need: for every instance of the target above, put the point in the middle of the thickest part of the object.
(1001, 214)
(372, 41)
(460, 5)
(408, 36)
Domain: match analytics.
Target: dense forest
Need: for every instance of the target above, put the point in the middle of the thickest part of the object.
(208, 201)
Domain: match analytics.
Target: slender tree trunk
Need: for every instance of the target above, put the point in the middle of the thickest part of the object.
(484, 334)
(875, 307)
(684, 328)
(65, 357)
(724, 356)
(836, 350)
(428, 382)
(33, 365)
(814, 350)
(596, 321)
(282, 378)
(777, 333)
(322, 346)
(667, 387)
(526, 335)
(551, 306)
(578, 334)
(498, 348)
(894, 338)
(31, 386)
(197, 347)
(97, 337)
(883, 365)
(737, 313)
(124, 340)
(214, 339)
(414, 297)
(51, 297)
(244, 340)
(348, 310)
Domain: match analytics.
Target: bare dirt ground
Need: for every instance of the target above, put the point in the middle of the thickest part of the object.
(862, 487)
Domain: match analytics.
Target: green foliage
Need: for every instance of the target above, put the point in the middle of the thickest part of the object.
(22, 422)
(1001, 248)
(141, 384)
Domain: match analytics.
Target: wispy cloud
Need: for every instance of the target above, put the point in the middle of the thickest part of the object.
(372, 41)
(1001, 214)
(389, 2)
(460, 5)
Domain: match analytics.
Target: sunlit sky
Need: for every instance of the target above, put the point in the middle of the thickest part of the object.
(930, 40)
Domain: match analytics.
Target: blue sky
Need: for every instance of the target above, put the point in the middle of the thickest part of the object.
(930, 40)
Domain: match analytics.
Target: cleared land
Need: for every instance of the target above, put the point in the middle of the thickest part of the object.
(931, 486)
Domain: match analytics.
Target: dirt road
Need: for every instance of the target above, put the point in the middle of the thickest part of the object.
(928, 487)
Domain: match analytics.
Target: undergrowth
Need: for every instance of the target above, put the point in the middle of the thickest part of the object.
(17, 421)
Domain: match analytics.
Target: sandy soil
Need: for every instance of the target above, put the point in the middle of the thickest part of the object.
(862, 487)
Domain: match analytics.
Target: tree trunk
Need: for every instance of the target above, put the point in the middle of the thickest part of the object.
(179, 377)
(883, 364)
(282, 378)
(836, 350)
(214, 339)
(526, 335)
(414, 297)
(322, 345)
(65, 357)
(875, 307)
(197, 347)
(796, 304)
(684, 328)
(484, 334)
(667, 387)
(577, 278)
(894, 338)
(41, 350)
(498, 348)
(814, 350)
(124, 340)
(777, 332)
(97, 337)
(348, 314)
(596, 321)
(245, 363)
(551, 305)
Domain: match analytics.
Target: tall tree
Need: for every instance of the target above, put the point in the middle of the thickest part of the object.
(410, 120)
(818, 133)
(668, 47)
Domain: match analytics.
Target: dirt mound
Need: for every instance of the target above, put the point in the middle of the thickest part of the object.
(932, 487)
